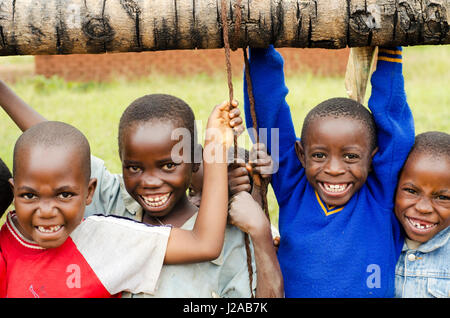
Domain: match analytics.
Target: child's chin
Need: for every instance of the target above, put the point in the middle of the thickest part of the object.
(51, 244)
(51, 241)
(339, 202)
(336, 201)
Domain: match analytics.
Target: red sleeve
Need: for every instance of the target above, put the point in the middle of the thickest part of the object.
(2, 276)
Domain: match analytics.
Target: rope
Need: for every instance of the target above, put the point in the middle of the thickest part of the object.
(263, 183)
(230, 90)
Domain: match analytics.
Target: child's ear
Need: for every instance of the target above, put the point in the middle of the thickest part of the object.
(91, 190)
(300, 152)
(373, 152)
(11, 183)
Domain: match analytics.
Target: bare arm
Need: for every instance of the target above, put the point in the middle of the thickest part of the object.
(20, 112)
(246, 214)
(205, 241)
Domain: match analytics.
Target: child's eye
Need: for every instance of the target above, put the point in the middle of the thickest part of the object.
(169, 166)
(28, 196)
(318, 155)
(410, 191)
(65, 195)
(351, 156)
(134, 169)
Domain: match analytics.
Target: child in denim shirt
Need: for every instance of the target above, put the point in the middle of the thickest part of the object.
(422, 205)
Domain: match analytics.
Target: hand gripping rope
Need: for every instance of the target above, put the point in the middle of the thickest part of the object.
(260, 182)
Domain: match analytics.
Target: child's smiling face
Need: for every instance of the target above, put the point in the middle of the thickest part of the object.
(150, 173)
(422, 202)
(50, 193)
(337, 156)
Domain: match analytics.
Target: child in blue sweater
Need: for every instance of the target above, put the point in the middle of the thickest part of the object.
(335, 186)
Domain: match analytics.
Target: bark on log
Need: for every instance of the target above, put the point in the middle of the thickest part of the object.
(32, 27)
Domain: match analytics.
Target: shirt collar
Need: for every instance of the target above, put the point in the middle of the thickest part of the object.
(131, 205)
(436, 242)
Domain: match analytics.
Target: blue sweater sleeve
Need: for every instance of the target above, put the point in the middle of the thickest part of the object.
(274, 121)
(394, 122)
(269, 91)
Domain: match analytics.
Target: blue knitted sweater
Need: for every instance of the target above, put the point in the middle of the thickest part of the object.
(346, 251)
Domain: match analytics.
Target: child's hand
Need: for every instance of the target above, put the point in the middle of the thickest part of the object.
(245, 213)
(224, 122)
(238, 178)
(260, 161)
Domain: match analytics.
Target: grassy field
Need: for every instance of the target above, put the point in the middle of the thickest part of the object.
(95, 108)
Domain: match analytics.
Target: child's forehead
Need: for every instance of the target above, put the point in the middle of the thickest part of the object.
(325, 120)
(427, 162)
(344, 129)
(50, 158)
(150, 124)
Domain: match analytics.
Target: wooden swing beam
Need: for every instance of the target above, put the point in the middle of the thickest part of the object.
(34, 27)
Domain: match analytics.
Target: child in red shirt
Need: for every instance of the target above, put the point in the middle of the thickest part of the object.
(46, 245)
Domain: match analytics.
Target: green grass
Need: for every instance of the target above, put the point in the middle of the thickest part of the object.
(95, 108)
(16, 60)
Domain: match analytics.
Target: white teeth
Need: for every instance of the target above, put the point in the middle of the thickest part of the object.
(335, 187)
(419, 226)
(156, 201)
(51, 229)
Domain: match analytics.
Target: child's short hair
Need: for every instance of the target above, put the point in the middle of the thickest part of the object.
(6, 194)
(339, 107)
(434, 143)
(55, 134)
(158, 106)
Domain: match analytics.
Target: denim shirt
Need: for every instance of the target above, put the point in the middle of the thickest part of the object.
(425, 272)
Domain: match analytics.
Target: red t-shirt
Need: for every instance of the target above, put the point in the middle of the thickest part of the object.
(103, 256)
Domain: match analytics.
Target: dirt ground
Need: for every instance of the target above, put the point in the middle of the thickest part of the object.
(102, 67)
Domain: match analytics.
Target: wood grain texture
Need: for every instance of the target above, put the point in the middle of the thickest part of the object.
(34, 27)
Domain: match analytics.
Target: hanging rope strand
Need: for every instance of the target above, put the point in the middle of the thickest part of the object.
(228, 63)
(230, 90)
(263, 183)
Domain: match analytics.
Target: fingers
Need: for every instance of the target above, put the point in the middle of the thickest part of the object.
(240, 188)
(238, 130)
(236, 121)
(227, 105)
(260, 161)
(238, 180)
(224, 116)
(260, 158)
(235, 112)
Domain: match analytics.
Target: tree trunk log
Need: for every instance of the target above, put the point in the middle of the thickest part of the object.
(33, 27)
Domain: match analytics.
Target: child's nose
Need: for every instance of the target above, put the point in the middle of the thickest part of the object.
(47, 209)
(151, 181)
(334, 166)
(424, 205)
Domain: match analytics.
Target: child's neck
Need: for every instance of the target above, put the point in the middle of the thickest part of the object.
(181, 212)
(412, 244)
